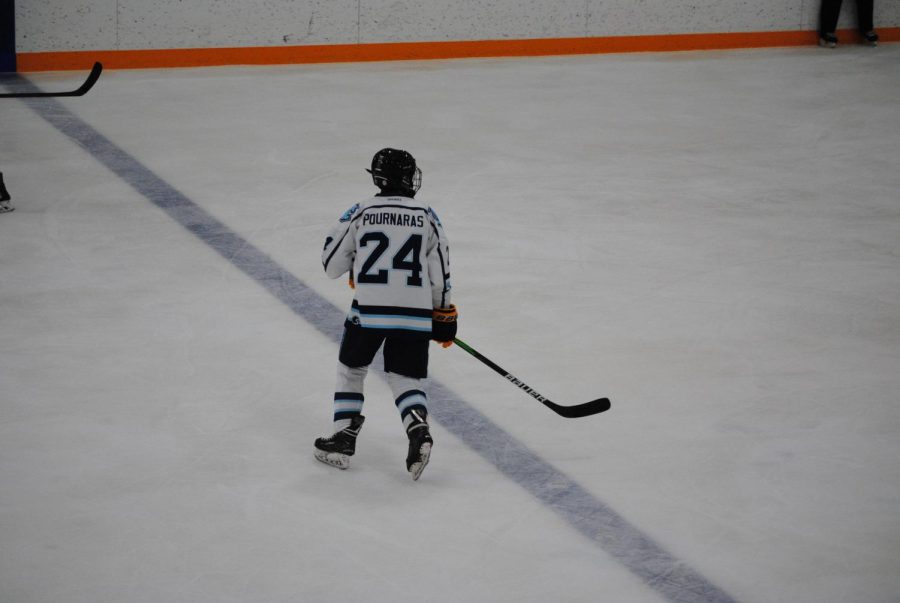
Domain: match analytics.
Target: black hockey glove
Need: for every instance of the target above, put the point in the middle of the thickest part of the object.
(443, 325)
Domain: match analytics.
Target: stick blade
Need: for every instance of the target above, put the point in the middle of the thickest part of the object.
(580, 410)
(92, 78)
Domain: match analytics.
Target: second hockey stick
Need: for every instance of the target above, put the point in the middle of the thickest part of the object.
(80, 91)
(570, 412)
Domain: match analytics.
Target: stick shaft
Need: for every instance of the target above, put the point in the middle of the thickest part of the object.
(481, 357)
(579, 410)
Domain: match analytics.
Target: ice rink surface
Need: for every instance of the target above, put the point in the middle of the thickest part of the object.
(710, 239)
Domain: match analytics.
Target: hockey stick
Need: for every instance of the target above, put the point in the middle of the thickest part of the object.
(81, 91)
(570, 412)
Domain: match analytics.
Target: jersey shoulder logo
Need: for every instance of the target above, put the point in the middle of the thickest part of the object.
(348, 215)
(434, 217)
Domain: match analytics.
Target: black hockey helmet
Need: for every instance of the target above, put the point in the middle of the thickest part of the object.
(395, 170)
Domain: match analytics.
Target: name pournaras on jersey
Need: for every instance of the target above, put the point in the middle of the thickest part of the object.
(392, 219)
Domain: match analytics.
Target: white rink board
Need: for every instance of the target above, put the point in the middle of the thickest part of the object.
(62, 25)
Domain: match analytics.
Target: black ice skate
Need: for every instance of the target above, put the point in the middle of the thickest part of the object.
(420, 443)
(870, 38)
(828, 40)
(337, 449)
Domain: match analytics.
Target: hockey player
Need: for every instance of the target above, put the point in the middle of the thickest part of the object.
(830, 10)
(397, 254)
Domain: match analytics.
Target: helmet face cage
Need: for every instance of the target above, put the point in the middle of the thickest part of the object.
(395, 169)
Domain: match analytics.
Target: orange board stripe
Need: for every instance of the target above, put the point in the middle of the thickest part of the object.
(404, 51)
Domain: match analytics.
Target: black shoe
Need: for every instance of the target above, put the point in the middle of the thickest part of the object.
(4, 194)
(337, 449)
(420, 443)
(4, 197)
(870, 38)
(828, 40)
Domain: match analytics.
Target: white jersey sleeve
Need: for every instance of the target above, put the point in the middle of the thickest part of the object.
(340, 245)
(438, 263)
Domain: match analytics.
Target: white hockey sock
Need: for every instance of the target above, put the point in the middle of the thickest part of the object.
(348, 394)
(409, 394)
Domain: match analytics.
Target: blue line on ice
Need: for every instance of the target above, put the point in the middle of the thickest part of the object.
(593, 518)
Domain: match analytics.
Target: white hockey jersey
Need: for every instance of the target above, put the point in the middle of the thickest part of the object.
(400, 261)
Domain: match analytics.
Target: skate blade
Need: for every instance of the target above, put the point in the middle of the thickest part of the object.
(416, 469)
(335, 459)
